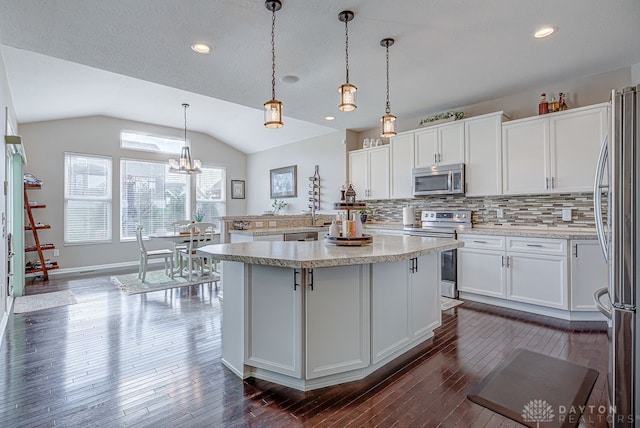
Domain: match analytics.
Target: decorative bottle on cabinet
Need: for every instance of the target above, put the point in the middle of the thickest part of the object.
(543, 107)
(562, 104)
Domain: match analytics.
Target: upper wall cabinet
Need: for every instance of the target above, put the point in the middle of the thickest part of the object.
(483, 154)
(442, 144)
(553, 153)
(369, 172)
(402, 160)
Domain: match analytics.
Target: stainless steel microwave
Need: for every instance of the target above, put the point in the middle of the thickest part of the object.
(438, 180)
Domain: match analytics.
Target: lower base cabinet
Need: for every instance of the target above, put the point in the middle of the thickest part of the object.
(589, 272)
(537, 279)
(481, 272)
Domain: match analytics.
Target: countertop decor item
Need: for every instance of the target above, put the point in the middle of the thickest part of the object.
(449, 116)
(348, 241)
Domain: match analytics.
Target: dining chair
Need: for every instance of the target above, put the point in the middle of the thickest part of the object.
(200, 234)
(146, 255)
(180, 226)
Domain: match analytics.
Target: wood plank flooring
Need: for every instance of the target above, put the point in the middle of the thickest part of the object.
(153, 359)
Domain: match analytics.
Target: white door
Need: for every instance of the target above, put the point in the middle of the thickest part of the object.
(575, 141)
(401, 164)
(379, 175)
(426, 147)
(538, 279)
(390, 301)
(525, 156)
(451, 139)
(358, 170)
(337, 320)
(481, 272)
(483, 155)
(588, 273)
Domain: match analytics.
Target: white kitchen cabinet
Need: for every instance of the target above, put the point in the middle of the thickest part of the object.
(237, 237)
(405, 296)
(483, 155)
(441, 144)
(529, 270)
(369, 172)
(481, 265)
(402, 150)
(553, 153)
(273, 338)
(588, 273)
(337, 315)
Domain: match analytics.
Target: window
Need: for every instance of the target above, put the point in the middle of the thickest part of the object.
(87, 198)
(151, 196)
(210, 189)
(150, 143)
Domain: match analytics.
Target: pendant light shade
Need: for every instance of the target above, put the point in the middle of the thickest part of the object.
(185, 165)
(273, 107)
(388, 120)
(347, 90)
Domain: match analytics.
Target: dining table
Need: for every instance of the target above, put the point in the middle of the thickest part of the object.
(180, 238)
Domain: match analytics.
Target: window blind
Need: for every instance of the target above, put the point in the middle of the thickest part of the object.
(210, 193)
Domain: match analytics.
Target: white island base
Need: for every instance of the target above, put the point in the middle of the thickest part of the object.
(308, 328)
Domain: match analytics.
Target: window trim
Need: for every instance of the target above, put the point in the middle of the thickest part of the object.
(108, 199)
(148, 134)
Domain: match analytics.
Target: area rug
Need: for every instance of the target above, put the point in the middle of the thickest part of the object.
(38, 302)
(536, 390)
(447, 303)
(156, 280)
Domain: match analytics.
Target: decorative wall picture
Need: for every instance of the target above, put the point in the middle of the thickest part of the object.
(237, 189)
(284, 182)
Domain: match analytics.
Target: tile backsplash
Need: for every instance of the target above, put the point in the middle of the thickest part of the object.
(525, 211)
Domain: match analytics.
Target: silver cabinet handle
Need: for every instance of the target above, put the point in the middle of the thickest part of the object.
(546, 182)
(553, 182)
(508, 261)
(439, 157)
(575, 250)
(435, 158)
(534, 245)
(501, 261)
(480, 242)
(295, 279)
(311, 279)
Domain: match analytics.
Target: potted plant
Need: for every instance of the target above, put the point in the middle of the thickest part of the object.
(363, 215)
(198, 215)
(278, 205)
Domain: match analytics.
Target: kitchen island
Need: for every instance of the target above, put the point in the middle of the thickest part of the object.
(310, 314)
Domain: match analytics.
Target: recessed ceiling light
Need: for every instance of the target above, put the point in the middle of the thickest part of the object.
(330, 118)
(545, 31)
(201, 48)
(289, 78)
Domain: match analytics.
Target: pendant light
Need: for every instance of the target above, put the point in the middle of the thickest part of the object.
(388, 120)
(347, 90)
(273, 107)
(185, 165)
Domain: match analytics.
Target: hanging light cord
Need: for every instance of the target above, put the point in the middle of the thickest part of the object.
(346, 45)
(273, 53)
(185, 122)
(388, 109)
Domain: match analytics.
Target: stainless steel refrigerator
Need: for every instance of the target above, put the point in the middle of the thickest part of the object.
(618, 224)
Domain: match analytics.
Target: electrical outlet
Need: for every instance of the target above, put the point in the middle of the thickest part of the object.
(272, 224)
(500, 213)
(56, 253)
(566, 214)
(259, 224)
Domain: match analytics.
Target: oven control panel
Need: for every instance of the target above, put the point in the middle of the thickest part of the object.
(446, 217)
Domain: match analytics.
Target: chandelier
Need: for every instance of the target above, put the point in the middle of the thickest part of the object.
(185, 165)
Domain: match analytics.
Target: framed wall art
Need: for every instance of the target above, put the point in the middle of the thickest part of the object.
(237, 189)
(284, 182)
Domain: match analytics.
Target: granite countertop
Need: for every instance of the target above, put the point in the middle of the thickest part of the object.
(551, 232)
(317, 254)
(278, 230)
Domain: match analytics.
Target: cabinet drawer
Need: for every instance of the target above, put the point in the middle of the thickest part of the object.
(485, 242)
(537, 245)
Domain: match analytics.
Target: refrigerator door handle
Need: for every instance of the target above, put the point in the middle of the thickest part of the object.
(597, 197)
(606, 311)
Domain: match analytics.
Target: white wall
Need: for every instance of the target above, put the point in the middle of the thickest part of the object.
(328, 151)
(45, 144)
(635, 74)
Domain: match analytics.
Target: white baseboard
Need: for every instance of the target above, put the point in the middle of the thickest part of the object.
(94, 268)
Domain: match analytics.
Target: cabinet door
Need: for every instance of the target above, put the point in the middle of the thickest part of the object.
(524, 153)
(451, 139)
(337, 320)
(358, 171)
(401, 164)
(575, 141)
(273, 337)
(390, 300)
(425, 296)
(588, 273)
(483, 156)
(426, 147)
(379, 175)
(538, 279)
(481, 272)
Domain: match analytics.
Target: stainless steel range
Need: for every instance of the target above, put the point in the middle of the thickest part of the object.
(444, 224)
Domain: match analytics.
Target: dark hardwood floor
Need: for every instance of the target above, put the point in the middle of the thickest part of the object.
(153, 359)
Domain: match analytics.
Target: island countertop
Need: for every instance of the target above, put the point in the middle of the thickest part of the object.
(317, 254)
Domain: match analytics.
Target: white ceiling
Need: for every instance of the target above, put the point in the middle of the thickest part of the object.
(132, 59)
